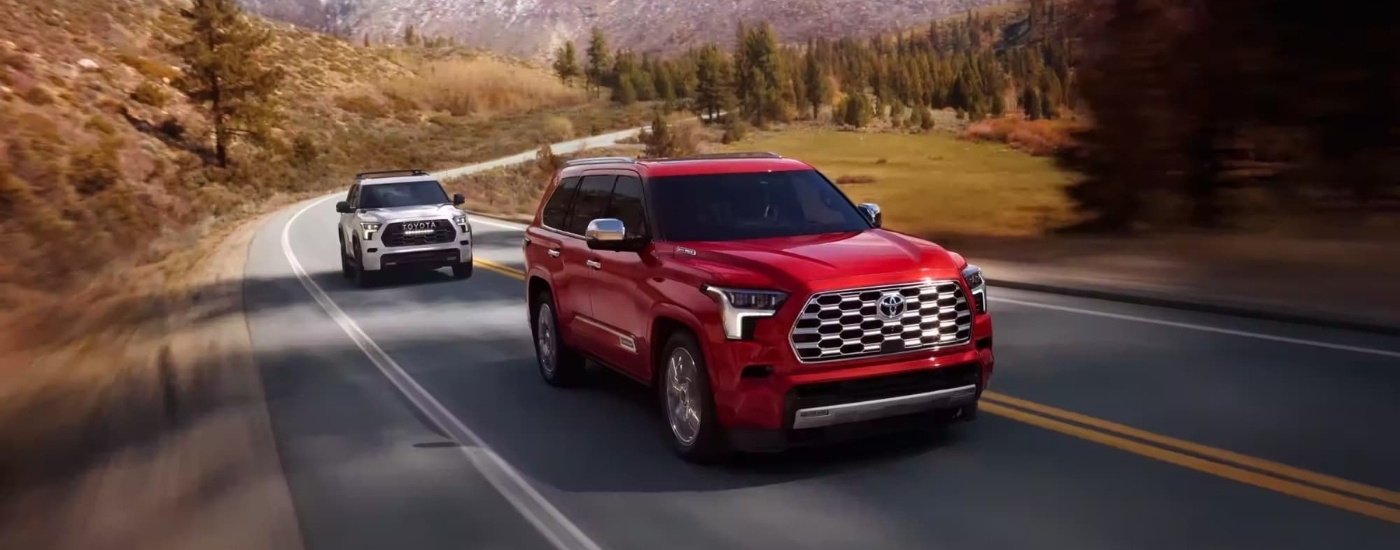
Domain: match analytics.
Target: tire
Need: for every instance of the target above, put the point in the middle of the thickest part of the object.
(463, 270)
(347, 265)
(558, 365)
(695, 434)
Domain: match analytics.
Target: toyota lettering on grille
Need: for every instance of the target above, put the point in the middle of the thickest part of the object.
(417, 228)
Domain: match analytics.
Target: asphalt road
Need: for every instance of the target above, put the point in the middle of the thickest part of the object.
(411, 416)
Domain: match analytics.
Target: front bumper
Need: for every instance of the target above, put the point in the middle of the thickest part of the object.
(377, 257)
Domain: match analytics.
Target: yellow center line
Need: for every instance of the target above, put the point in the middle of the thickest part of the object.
(1275, 468)
(1043, 416)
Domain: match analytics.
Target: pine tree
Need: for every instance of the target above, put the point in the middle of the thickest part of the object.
(226, 74)
(566, 63)
(817, 83)
(714, 92)
(599, 63)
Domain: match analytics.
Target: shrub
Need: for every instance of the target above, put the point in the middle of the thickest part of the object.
(149, 94)
(855, 178)
(557, 128)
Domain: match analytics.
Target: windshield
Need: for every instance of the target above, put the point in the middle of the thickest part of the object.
(726, 207)
(394, 195)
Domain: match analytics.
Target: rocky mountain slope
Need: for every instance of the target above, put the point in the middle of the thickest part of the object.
(533, 28)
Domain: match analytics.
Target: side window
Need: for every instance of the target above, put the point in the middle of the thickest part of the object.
(557, 209)
(353, 197)
(591, 203)
(628, 206)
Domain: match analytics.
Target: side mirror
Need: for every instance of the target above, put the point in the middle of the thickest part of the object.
(871, 211)
(609, 234)
(344, 207)
(458, 199)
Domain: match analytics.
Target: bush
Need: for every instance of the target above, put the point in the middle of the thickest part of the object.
(855, 178)
(557, 128)
(855, 110)
(149, 94)
(1037, 137)
(735, 129)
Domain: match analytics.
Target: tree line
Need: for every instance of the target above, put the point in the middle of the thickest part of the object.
(979, 65)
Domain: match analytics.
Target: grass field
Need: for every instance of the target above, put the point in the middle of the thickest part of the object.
(933, 184)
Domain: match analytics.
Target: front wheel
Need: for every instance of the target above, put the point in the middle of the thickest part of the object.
(688, 402)
(463, 270)
(363, 278)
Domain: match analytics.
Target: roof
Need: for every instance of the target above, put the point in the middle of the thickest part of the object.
(693, 166)
(396, 179)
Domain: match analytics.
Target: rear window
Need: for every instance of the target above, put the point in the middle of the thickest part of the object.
(759, 205)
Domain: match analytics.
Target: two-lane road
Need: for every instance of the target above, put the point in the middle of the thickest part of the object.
(411, 415)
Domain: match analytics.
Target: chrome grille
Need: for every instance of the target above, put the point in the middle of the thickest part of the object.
(847, 324)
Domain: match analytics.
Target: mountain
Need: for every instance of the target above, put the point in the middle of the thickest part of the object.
(533, 28)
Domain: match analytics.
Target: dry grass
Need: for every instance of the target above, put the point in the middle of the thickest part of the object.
(514, 192)
(481, 86)
(935, 183)
(1037, 137)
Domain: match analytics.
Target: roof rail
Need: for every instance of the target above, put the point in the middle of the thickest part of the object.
(714, 156)
(600, 160)
(410, 171)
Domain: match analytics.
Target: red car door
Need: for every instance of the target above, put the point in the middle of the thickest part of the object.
(621, 301)
(579, 263)
(547, 247)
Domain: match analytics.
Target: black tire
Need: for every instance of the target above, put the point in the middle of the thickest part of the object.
(709, 443)
(347, 265)
(463, 270)
(558, 365)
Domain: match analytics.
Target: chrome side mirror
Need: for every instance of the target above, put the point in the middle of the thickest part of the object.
(605, 230)
(871, 211)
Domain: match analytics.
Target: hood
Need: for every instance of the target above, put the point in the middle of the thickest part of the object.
(411, 213)
(809, 258)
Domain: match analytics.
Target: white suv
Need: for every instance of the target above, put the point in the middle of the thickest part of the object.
(402, 222)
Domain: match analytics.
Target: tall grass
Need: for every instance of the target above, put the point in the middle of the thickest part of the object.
(481, 86)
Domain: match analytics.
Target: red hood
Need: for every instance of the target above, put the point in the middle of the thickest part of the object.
(793, 261)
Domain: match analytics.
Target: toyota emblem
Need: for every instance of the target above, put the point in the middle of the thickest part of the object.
(890, 307)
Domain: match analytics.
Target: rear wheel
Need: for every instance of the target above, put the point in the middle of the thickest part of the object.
(687, 402)
(559, 365)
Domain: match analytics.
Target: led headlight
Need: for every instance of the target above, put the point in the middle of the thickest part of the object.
(978, 285)
(461, 222)
(368, 229)
(738, 306)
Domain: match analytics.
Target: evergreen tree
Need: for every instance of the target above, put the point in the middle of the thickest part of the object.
(714, 88)
(817, 82)
(599, 63)
(660, 143)
(226, 73)
(566, 63)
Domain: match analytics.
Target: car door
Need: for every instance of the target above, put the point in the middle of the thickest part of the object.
(590, 203)
(618, 282)
(544, 247)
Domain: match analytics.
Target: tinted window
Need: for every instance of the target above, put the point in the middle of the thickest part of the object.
(724, 207)
(353, 195)
(591, 202)
(409, 193)
(627, 205)
(557, 208)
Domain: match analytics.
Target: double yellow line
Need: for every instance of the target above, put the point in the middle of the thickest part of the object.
(1312, 486)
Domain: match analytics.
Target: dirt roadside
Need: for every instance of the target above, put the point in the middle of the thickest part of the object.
(151, 437)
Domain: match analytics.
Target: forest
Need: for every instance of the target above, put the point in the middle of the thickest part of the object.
(1250, 115)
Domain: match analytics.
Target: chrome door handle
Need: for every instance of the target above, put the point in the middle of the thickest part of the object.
(593, 264)
(554, 252)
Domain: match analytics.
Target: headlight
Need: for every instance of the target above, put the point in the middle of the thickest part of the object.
(978, 285)
(461, 222)
(738, 306)
(368, 229)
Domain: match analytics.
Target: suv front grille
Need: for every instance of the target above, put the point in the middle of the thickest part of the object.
(441, 232)
(848, 324)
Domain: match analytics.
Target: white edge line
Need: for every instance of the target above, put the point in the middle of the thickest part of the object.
(477, 218)
(550, 522)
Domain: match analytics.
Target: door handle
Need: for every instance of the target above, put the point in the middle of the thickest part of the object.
(593, 264)
(554, 252)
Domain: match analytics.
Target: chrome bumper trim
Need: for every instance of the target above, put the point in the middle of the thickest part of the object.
(817, 417)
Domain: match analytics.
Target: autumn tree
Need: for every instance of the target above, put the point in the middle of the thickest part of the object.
(566, 63)
(227, 74)
(599, 60)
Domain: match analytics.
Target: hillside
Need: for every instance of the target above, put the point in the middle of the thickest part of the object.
(533, 28)
(105, 165)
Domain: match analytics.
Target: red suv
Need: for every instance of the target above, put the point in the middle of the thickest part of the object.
(764, 307)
